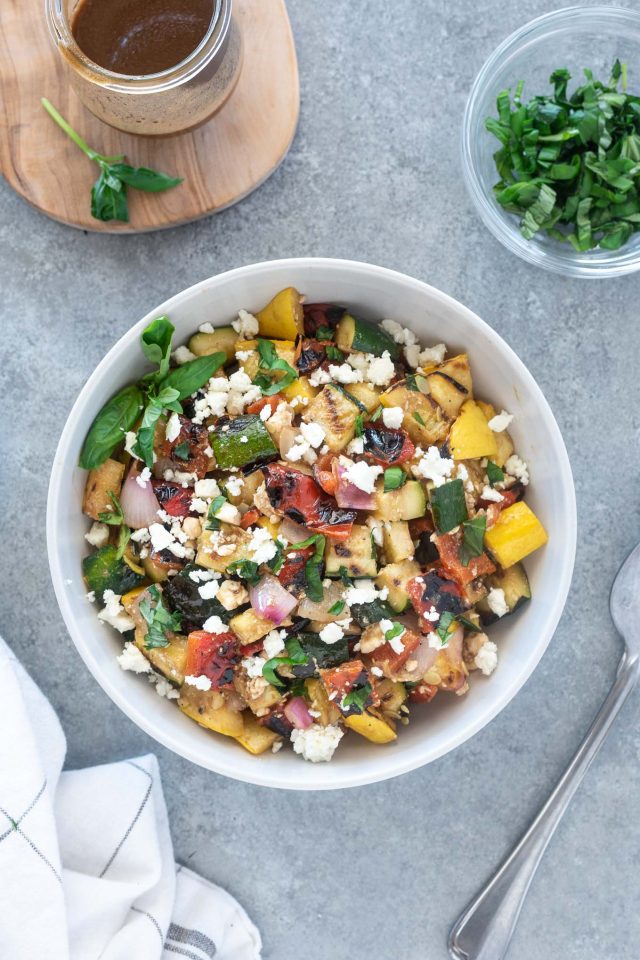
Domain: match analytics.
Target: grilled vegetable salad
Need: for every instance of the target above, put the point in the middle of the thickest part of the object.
(303, 523)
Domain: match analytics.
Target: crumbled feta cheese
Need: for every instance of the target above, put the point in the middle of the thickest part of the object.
(393, 417)
(207, 489)
(412, 354)
(199, 505)
(297, 450)
(209, 589)
(274, 643)
(399, 333)
(265, 414)
(228, 513)
(362, 591)
(432, 355)
(344, 373)
(199, 576)
(130, 439)
(246, 325)
(206, 328)
(183, 355)
(133, 659)
(497, 601)
(395, 643)
(313, 433)
(141, 535)
(240, 381)
(143, 478)
(381, 370)
(164, 688)
(517, 468)
(488, 493)
(234, 485)
(316, 744)
(253, 666)
(432, 466)
(173, 427)
(487, 657)
(161, 538)
(377, 672)
(114, 613)
(331, 633)
(276, 746)
(243, 355)
(500, 422)
(376, 531)
(355, 446)
(319, 377)
(232, 594)
(199, 682)
(361, 474)
(91, 596)
(215, 625)
(262, 546)
(98, 535)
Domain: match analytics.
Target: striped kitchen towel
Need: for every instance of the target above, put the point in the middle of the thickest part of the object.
(86, 860)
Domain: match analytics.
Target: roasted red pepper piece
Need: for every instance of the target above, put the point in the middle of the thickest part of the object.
(433, 591)
(386, 654)
(448, 546)
(250, 517)
(173, 498)
(386, 445)
(271, 402)
(339, 681)
(423, 692)
(321, 315)
(213, 655)
(324, 473)
(196, 437)
(295, 495)
(292, 570)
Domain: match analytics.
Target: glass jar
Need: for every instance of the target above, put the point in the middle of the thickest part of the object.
(157, 104)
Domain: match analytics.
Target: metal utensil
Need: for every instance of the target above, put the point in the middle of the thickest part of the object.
(485, 928)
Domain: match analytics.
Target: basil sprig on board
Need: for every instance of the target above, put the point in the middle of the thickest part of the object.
(161, 389)
(569, 164)
(109, 192)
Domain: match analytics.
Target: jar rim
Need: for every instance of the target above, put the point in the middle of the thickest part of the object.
(185, 70)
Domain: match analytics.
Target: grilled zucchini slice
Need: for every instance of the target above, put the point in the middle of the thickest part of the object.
(334, 410)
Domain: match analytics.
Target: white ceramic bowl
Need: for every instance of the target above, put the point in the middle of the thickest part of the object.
(499, 376)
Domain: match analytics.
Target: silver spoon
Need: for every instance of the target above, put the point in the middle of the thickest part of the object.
(485, 928)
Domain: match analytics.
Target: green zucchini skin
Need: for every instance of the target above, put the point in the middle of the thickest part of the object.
(448, 505)
(246, 441)
(103, 570)
(517, 591)
(356, 334)
(222, 338)
(345, 393)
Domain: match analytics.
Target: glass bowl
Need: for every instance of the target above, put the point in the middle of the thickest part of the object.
(575, 38)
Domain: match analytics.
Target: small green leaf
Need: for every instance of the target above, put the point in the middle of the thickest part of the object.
(159, 620)
(357, 698)
(494, 473)
(395, 631)
(189, 377)
(141, 178)
(245, 569)
(112, 517)
(417, 416)
(394, 478)
(472, 545)
(182, 451)
(156, 344)
(444, 627)
(336, 607)
(109, 199)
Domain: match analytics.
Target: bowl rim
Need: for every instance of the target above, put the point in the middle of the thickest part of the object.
(390, 764)
(583, 265)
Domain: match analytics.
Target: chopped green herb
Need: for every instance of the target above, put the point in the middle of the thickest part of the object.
(359, 425)
(344, 576)
(334, 354)
(324, 333)
(394, 478)
(357, 698)
(337, 607)
(245, 569)
(270, 363)
(494, 473)
(418, 417)
(410, 383)
(376, 414)
(569, 163)
(472, 545)
(212, 521)
(394, 632)
(313, 565)
(444, 627)
(113, 517)
(159, 620)
(468, 624)
(181, 451)
(295, 656)
(448, 505)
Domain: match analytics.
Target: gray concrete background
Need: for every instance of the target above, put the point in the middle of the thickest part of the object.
(373, 174)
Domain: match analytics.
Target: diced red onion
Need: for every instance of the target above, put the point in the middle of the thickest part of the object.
(424, 656)
(293, 532)
(319, 610)
(297, 713)
(139, 503)
(348, 495)
(270, 600)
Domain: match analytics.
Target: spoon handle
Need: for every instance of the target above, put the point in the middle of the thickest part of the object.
(484, 929)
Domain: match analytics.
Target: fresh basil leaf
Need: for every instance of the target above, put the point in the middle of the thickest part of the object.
(295, 656)
(394, 631)
(156, 345)
(112, 517)
(444, 626)
(394, 478)
(418, 417)
(123, 539)
(336, 607)
(159, 620)
(108, 429)
(151, 181)
(182, 451)
(212, 521)
(468, 624)
(333, 353)
(376, 415)
(494, 473)
(271, 362)
(166, 399)
(324, 333)
(357, 698)
(109, 199)
(245, 569)
(472, 545)
(189, 377)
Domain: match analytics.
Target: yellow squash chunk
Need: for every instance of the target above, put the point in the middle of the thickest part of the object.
(128, 598)
(219, 548)
(397, 541)
(319, 701)
(104, 479)
(249, 627)
(470, 436)
(302, 389)
(273, 526)
(368, 396)
(171, 660)
(450, 384)
(504, 442)
(286, 350)
(255, 737)
(208, 708)
(334, 411)
(282, 317)
(515, 535)
(373, 728)
(424, 420)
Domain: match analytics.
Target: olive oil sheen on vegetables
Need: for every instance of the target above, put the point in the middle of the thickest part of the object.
(140, 37)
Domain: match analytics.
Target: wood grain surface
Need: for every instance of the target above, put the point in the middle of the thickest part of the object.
(221, 161)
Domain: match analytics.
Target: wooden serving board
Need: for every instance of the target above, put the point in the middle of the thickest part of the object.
(221, 161)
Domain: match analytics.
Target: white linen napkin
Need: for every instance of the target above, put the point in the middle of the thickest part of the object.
(86, 860)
